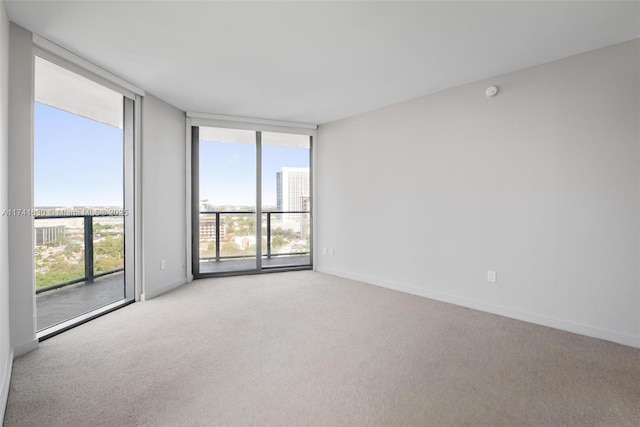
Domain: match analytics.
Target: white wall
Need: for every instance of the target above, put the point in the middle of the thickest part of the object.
(163, 196)
(21, 272)
(6, 355)
(540, 184)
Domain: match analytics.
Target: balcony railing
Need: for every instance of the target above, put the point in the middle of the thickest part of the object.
(88, 248)
(269, 252)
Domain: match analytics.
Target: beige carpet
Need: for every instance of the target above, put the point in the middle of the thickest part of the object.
(305, 348)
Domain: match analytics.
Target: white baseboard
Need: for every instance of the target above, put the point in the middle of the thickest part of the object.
(25, 348)
(162, 289)
(4, 385)
(577, 328)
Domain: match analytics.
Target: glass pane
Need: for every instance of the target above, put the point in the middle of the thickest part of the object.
(59, 253)
(227, 235)
(78, 189)
(108, 244)
(286, 197)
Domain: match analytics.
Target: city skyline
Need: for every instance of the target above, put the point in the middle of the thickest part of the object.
(292, 189)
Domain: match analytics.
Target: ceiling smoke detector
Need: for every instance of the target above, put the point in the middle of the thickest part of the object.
(491, 91)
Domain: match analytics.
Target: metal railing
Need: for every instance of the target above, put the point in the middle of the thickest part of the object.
(269, 253)
(89, 273)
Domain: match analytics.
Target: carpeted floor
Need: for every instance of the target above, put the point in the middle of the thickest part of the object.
(304, 348)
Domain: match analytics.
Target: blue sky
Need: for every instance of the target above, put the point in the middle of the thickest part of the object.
(227, 171)
(78, 162)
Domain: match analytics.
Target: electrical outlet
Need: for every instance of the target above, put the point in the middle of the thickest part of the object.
(492, 276)
(163, 264)
(333, 251)
(324, 251)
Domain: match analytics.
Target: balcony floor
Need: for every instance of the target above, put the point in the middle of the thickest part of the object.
(225, 266)
(56, 306)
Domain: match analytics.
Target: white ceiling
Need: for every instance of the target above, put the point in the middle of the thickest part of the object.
(316, 62)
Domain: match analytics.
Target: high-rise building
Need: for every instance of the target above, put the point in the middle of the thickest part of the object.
(292, 189)
(49, 234)
(208, 227)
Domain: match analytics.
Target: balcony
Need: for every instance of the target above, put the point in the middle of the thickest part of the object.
(80, 259)
(79, 265)
(227, 240)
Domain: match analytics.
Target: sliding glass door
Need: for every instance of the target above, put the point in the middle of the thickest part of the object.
(286, 199)
(227, 200)
(251, 201)
(83, 192)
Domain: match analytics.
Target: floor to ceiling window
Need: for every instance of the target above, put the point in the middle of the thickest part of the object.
(83, 152)
(251, 201)
(286, 199)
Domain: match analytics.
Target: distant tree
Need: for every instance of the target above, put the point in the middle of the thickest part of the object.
(108, 253)
(210, 250)
(277, 242)
(59, 271)
(230, 248)
(285, 233)
(110, 246)
(71, 249)
(102, 265)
